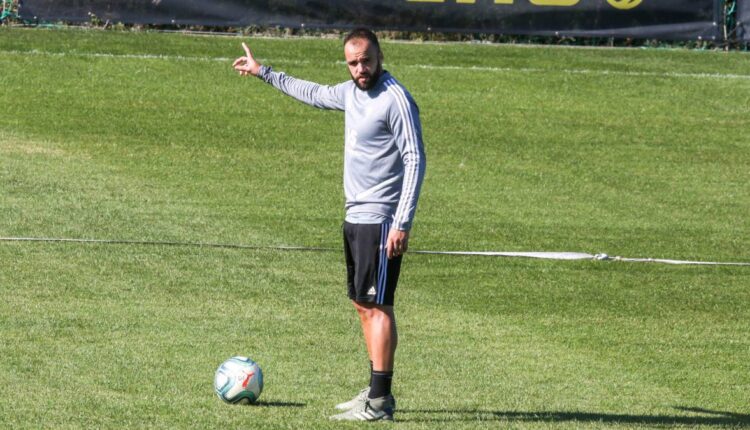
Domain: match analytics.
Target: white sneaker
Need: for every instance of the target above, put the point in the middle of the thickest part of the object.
(359, 399)
(377, 409)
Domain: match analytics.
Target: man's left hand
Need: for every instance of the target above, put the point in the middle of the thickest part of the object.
(398, 243)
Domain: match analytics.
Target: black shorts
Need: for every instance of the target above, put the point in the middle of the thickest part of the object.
(370, 276)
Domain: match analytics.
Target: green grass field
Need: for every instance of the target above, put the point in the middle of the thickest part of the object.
(153, 137)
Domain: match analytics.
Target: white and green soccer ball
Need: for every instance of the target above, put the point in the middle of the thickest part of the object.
(238, 380)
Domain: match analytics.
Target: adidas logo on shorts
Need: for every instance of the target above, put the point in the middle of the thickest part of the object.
(371, 291)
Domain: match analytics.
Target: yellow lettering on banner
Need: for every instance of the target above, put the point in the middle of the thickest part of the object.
(554, 2)
(503, 1)
(466, 1)
(624, 4)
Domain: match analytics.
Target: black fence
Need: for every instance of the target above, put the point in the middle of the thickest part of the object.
(743, 20)
(646, 19)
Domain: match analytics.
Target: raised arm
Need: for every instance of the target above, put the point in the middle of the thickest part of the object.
(311, 93)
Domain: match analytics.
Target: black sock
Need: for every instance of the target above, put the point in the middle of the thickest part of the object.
(370, 373)
(381, 384)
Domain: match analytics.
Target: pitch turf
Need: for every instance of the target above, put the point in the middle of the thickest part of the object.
(141, 136)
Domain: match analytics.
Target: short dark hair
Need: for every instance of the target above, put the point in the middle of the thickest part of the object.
(362, 33)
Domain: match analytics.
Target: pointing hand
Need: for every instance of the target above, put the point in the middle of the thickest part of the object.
(246, 65)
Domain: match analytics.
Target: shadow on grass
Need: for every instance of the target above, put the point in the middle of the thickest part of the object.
(261, 403)
(708, 417)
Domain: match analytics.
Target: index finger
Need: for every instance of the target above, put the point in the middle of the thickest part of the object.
(247, 50)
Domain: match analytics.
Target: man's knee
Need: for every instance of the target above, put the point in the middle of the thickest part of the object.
(373, 311)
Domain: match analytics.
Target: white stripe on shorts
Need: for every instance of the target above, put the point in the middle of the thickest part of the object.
(383, 262)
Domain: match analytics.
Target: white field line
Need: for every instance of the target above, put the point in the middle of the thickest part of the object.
(533, 254)
(488, 69)
(586, 72)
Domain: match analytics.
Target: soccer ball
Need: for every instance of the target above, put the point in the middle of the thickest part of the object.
(238, 380)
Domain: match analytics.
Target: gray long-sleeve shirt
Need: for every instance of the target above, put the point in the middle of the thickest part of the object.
(384, 160)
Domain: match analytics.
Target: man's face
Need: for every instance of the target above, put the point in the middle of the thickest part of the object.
(365, 62)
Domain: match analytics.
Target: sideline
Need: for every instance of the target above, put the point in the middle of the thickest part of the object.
(490, 69)
(540, 255)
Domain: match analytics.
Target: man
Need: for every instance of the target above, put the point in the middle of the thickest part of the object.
(384, 166)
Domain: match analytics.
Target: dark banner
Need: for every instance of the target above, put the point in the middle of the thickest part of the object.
(743, 20)
(661, 19)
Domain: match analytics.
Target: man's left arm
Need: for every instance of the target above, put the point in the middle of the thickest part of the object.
(407, 130)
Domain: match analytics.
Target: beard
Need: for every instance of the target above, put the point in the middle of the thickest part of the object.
(371, 79)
